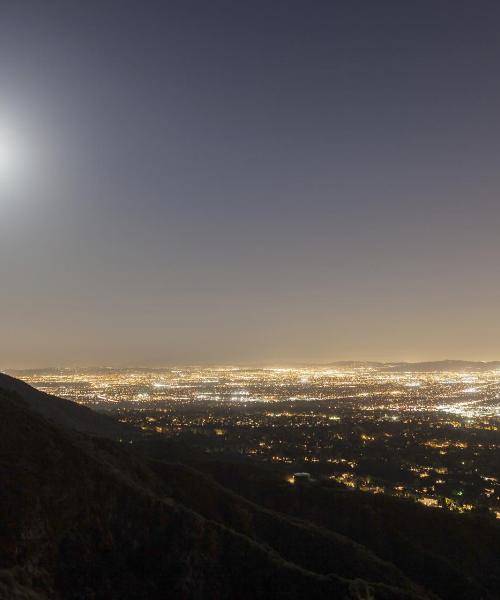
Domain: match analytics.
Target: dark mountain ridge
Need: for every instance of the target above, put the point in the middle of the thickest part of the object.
(457, 556)
(64, 412)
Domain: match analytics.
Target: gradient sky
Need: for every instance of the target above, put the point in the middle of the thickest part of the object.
(248, 181)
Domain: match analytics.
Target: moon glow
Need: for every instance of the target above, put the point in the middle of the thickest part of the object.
(9, 159)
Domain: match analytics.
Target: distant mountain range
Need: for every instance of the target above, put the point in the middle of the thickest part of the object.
(85, 517)
(421, 367)
(410, 367)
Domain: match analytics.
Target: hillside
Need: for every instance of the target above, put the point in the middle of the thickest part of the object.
(457, 556)
(64, 412)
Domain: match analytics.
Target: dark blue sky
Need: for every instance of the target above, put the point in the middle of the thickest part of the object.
(249, 181)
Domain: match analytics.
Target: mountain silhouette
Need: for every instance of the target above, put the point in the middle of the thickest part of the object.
(436, 366)
(64, 412)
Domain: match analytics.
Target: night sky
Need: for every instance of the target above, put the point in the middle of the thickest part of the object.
(248, 182)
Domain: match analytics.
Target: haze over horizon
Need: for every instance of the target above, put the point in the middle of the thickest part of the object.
(438, 363)
(248, 182)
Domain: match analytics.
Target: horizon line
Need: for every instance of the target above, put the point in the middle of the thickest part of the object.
(250, 364)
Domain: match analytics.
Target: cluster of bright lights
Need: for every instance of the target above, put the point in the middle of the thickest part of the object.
(468, 395)
(316, 417)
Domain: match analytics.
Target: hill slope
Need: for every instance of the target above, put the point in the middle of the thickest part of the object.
(64, 412)
(455, 556)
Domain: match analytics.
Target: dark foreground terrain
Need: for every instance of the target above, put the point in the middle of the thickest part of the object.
(85, 514)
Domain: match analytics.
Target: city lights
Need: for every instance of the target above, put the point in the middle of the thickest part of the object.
(411, 435)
